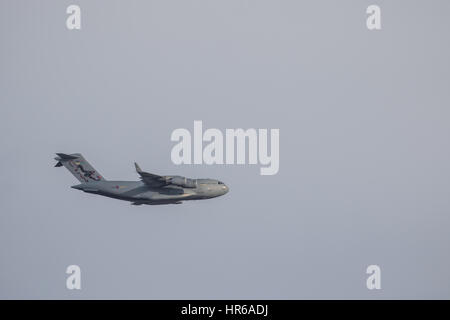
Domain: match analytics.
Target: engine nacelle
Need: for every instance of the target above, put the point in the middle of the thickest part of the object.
(183, 182)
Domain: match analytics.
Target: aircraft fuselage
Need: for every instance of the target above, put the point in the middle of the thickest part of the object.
(140, 193)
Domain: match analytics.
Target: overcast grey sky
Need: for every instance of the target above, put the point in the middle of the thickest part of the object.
(364, 148)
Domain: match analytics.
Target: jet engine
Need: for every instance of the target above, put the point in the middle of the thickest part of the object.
(183, 182)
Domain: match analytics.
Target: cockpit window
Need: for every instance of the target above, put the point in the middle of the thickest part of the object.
(220, 182)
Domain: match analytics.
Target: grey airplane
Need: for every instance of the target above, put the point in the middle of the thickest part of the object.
(152, 189)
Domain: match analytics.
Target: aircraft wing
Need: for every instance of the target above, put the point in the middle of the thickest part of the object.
(150, 179)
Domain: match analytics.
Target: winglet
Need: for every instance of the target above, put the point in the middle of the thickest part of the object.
(138, 169)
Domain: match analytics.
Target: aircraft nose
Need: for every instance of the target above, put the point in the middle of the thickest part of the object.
(225, 189)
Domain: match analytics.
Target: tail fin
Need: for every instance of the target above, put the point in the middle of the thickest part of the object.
(79, 167)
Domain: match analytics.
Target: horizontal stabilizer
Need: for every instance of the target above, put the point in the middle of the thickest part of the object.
(64, 156)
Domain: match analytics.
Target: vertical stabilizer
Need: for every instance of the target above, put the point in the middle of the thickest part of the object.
(79, 167)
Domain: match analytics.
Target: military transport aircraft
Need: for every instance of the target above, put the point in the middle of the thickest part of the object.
(152, 189)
